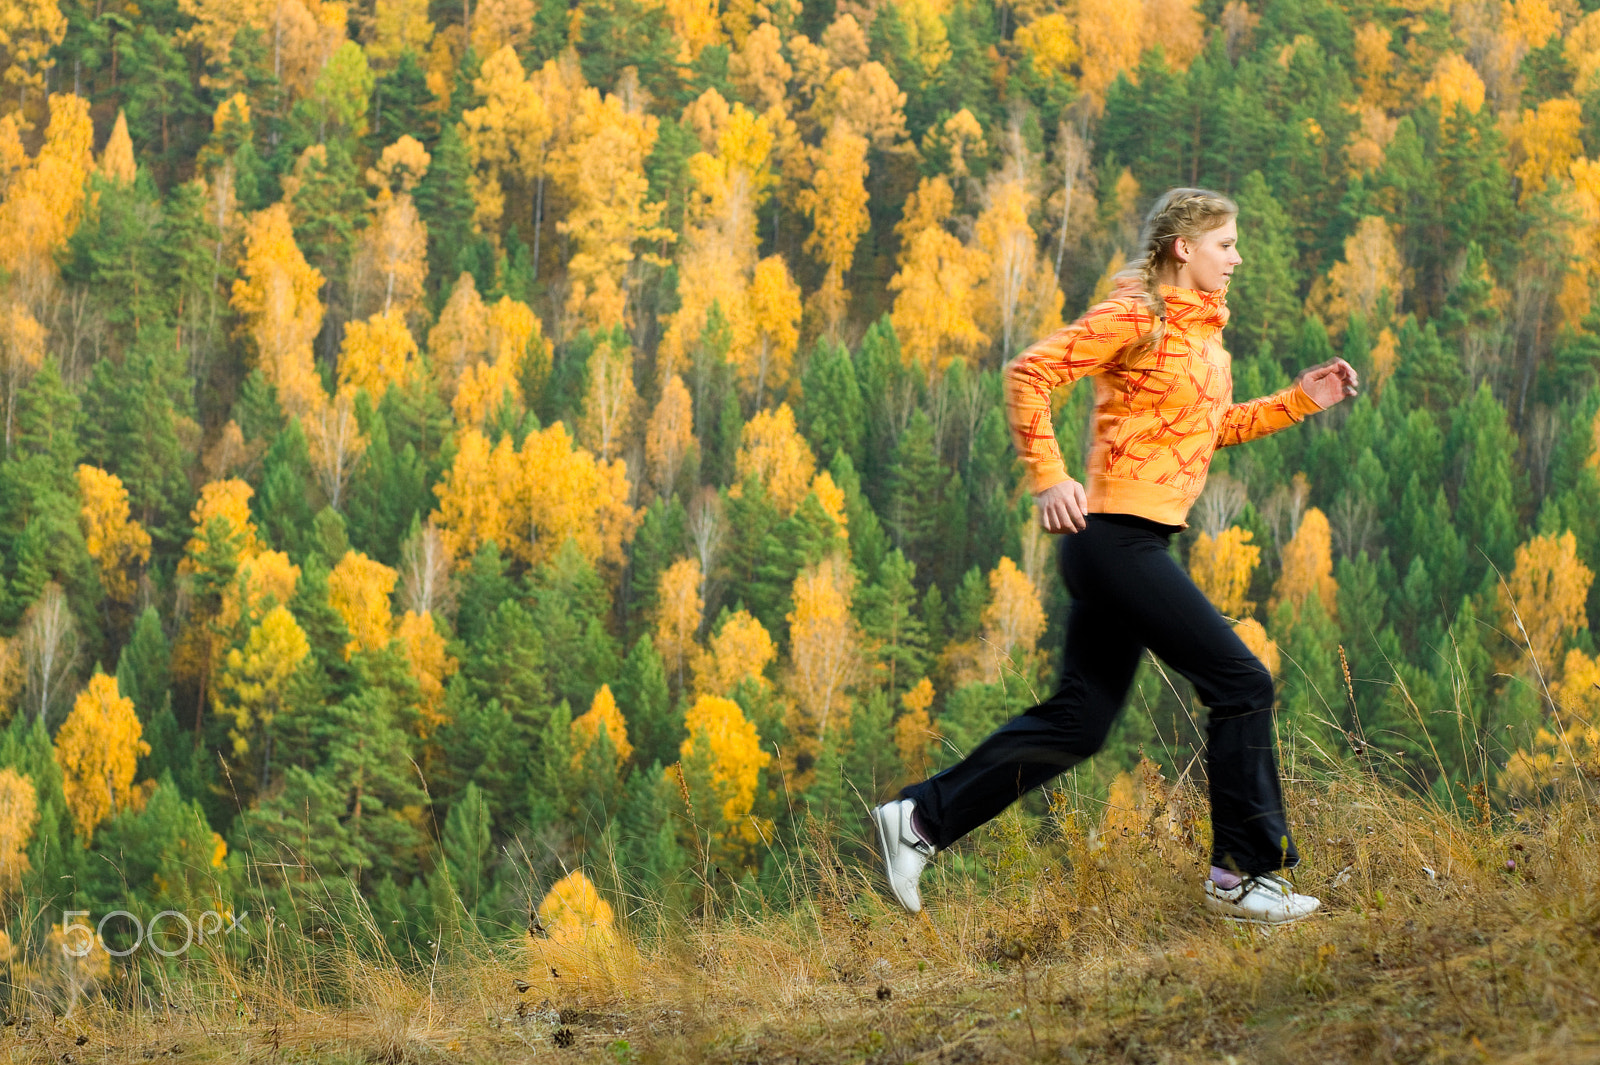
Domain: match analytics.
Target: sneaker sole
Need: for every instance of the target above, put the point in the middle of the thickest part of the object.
(879, 814)
(1259, 921)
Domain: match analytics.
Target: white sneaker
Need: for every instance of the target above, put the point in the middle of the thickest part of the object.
(905, 854)
(1264, 899)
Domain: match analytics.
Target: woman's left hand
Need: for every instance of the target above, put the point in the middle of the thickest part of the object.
(1330, 382)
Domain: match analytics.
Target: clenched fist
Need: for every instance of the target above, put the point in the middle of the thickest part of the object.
(1063, 508)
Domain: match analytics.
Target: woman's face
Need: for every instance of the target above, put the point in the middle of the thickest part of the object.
(1207, 263)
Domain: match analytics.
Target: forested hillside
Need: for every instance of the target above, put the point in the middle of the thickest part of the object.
(449, 446)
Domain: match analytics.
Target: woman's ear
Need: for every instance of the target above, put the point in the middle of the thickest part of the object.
(1181, 249)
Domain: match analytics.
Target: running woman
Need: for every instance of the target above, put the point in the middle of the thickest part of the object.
(1163, 404)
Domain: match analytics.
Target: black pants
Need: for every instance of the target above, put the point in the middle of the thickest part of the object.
(1127, 595)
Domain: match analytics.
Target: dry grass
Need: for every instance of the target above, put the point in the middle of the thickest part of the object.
(1443, 938)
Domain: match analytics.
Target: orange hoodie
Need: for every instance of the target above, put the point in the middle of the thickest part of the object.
(1156, 422)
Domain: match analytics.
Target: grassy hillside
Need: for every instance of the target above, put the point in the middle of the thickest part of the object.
(1442, 939)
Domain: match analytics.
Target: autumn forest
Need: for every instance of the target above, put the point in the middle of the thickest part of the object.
(454, 451)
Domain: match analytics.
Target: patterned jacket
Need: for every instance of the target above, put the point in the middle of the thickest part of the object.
(1156, 420)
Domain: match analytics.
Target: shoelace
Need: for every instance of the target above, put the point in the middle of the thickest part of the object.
(1270, 881)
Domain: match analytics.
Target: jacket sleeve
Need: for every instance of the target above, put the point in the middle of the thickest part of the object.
(1243, 422)
(1083, 348)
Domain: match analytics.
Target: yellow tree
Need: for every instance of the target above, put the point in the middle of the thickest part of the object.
(1176, 27)
(741, 650)
(602, 714)
(461, 336)
(253, 682)
(1582, 49)
(42, 203)
(22, 341)
(116, 162)
(1547, 140)
(1375, 66)
(1013, 621)
(764, 357)
(609, 402)
(867, 98)
(1455, 84)
(1371, 270)
(679, 608)
(45, 195)
(1110, 35)
(758, 70)
(223, 533)
(824, 646)
(221, 516)
(669, 435)
(725, 751)
(401, 166)
(1019, 299)
(98, 748)
(359, 589)
(392, 257)
(914, 733)
(836, 203)
(511, 337)
(260, 579)
(230, 501)
(720, 245)
(695, 25)
(28, 32)
(277, 297)
(602, 175)
(707, 115)
(266, 578)
(961, 136)
(376, 354)
(509, 136)
(431, 665)
(929, 39)
(831, 498)
(1254, 636)
(1542, 602)
(1222, 568)
(1578, 693)
(937, 285)
(1308, 567)
(115, 541)
(398, 26)
(1049, 47)
(477, 496)
(515, 336)
(306, 34)
(512, 136)
(498, 24)
(19, 812)
(576, 915)
(566, 493)
(1385, 358)
(534, 500)
(484, 391)
(772, 449)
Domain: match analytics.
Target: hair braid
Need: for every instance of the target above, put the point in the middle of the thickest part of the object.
(1188, 213)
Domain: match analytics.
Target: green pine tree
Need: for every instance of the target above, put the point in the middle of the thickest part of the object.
(643, 698)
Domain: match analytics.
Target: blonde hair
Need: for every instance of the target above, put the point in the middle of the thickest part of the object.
(1187, 213)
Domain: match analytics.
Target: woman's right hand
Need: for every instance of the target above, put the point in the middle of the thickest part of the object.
(1063, 507)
